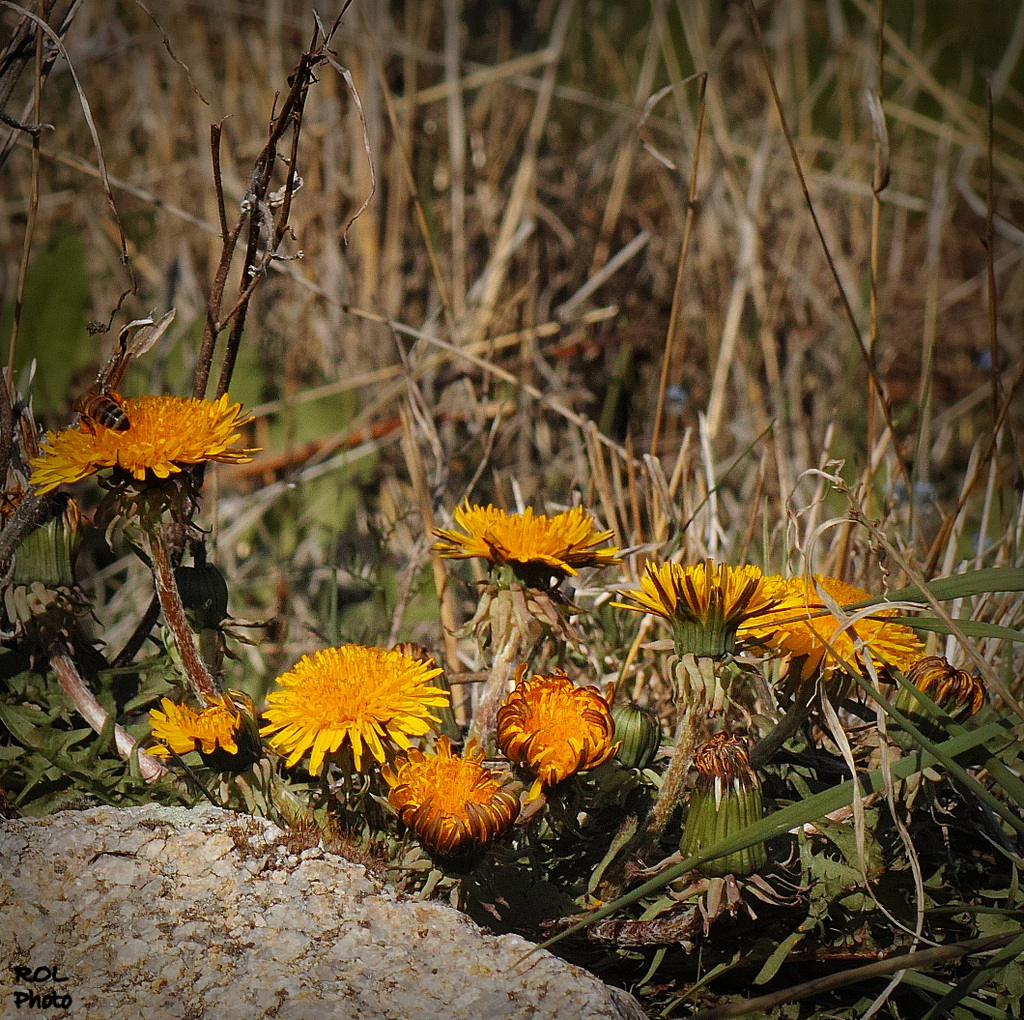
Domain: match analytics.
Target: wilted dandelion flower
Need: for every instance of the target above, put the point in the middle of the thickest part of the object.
(802, 626)
(358, 694)
(165, 433)
(726, 799)
(705, 604)
(554, 728)
(223, 732)
(536, 547)
(454, 804)
(953, 690)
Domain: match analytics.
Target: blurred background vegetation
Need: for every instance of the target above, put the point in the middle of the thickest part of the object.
(525, 208)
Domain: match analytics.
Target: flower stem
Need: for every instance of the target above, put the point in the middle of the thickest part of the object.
(196, 671)
(96, 715)
(764, 750)
(675, 775)
(695, 693)
(485, 715)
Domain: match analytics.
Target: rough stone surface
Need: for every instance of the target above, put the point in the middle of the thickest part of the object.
(177, 914)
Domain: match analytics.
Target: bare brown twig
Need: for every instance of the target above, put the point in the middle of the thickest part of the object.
(262, 233)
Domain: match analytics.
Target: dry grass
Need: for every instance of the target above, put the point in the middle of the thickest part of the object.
(496, 321)
(490, 240)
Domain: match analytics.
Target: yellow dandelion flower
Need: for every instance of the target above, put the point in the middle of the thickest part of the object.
(454, 804)
(802, 626)
(705, 604)
(554, 728)
(354, 693)
(220, 732)
(535, 546)
(164, 433)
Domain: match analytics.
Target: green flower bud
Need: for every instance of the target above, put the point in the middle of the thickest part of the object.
(726, 799)
(46, 554)
(204, 594)
(638, 734)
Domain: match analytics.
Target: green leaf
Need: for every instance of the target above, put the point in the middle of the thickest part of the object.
(958, 586)
(936, 750)
(973, 628)
(24, 722)
(778, 958)
(918, 980)
(979, 976)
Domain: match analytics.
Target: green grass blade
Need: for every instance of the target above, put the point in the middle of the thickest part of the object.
(1005, 777)
(976, 979)
(930, 984)
(958, 586)
(792, 816)
(973, 628)
(945, 759)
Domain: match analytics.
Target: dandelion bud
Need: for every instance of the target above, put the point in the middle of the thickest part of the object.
(47, 553)
(638, 734)
(204, 594)
(726, 799)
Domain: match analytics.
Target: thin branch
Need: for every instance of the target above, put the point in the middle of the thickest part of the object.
(905, 961)
(901, 466)
(677, 292)
(216, 130)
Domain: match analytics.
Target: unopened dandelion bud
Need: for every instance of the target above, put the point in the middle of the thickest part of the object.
(726, 799)
(204, 594)
(46, 555)
(638, 734)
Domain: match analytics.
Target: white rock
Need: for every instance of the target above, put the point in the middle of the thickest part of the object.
(301, 936)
